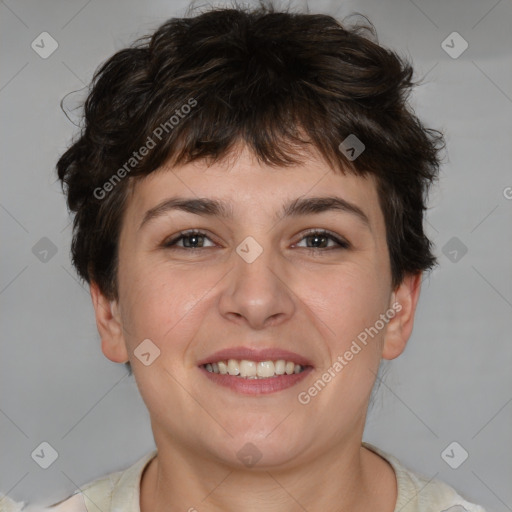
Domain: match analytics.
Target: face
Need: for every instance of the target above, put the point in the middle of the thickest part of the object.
(257, 280)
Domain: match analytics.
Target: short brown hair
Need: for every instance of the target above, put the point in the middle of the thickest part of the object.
(257, 76)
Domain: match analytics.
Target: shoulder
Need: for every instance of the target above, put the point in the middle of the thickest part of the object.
(115, 491)
(73, 504)
(98, 493)
(9, 505)
(418, 493)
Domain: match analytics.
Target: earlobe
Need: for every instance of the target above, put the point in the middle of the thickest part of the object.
(108, 322)
(404, 300)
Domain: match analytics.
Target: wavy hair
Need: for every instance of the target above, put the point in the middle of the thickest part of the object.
(274, 80)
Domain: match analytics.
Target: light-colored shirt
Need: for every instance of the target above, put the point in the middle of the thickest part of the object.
(120, 492)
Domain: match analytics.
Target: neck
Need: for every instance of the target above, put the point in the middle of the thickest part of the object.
(348, 477)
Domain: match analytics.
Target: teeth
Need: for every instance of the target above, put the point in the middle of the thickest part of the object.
(280, 366)
(223, 367)
(254, 370)
(265, 369)
(247, 368)
(233, 367)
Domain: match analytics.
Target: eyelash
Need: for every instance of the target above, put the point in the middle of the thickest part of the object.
(343, 244)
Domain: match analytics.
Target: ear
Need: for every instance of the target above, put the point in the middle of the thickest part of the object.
(109, 326)
(399, 329)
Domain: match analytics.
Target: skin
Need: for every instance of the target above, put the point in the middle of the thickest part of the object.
(193, 302)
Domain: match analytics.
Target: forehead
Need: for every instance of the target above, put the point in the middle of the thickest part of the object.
(249, 188)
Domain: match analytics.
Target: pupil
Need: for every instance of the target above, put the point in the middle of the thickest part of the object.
(317, 237)
(192, 239)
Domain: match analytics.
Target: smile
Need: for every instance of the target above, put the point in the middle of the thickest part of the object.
(253, 369)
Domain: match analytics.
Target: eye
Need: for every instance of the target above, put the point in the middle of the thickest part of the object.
(195, 239)
(191, 240)
(320, 239)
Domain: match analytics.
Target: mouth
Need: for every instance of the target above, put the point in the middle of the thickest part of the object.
(247, 369)
(255, 372)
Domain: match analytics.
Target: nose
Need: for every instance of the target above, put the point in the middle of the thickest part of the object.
(258, 293)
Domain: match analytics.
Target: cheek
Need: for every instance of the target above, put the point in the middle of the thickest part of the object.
(346, 301)
(162, 303)
(168, 303)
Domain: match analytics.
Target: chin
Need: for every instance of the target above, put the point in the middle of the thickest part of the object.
(260, 448)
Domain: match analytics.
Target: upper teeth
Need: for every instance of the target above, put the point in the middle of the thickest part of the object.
(253, 369)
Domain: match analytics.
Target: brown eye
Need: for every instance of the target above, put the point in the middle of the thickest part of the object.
(320, 239)
(191, 240)
(315, 239)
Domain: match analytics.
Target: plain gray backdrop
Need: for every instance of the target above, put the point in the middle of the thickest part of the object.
(452, 384)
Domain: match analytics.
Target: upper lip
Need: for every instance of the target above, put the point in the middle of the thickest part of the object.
(257, 355)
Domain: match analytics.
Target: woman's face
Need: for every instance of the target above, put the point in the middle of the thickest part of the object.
(258, 278)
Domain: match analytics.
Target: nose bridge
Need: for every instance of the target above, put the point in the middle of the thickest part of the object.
(256, 292)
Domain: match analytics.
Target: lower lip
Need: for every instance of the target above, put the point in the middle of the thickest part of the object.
(256, 386)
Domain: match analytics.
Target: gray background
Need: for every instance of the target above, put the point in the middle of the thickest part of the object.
(453, 383)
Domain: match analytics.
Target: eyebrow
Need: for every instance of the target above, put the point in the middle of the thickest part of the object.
(215, 208)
